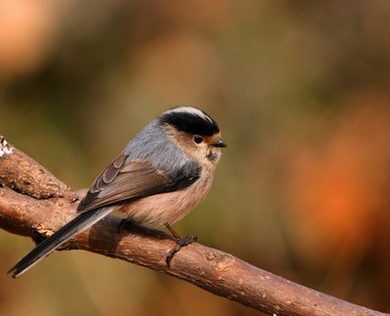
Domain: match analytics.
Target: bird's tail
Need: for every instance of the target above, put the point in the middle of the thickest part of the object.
(75, 226)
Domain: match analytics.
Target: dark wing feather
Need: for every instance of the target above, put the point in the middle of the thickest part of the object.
(120, 182)
(105, 178)
(109, 173)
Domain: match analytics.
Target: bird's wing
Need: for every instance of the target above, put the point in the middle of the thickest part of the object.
(121, 181)
(117, 183)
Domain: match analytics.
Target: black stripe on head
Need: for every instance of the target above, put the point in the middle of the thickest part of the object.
(190, 120)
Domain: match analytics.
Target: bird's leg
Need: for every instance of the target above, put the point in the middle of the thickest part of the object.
(180, 242)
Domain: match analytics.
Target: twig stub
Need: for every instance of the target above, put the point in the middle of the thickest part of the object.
(22, 174)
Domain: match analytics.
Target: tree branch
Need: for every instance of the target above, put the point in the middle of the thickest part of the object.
(34, 203)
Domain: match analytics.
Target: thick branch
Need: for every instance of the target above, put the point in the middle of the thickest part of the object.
(49, 204)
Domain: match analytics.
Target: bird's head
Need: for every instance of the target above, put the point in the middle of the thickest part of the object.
(195, 132)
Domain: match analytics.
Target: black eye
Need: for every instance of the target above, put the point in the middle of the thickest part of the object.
(198, 139)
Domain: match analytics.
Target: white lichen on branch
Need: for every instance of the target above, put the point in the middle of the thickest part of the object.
(5, 149)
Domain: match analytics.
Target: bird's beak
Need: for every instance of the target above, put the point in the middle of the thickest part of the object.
(220, 143)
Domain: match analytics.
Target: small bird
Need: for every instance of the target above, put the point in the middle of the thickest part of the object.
(161, 175)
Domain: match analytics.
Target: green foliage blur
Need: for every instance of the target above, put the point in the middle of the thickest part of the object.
(301, 92)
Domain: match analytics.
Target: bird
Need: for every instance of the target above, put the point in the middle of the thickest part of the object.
(160, 176)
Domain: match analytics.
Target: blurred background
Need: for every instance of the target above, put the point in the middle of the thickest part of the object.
(301, 92)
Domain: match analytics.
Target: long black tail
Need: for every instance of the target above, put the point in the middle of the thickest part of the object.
(75, 226)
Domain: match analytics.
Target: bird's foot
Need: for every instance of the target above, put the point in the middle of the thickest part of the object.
(180, 242)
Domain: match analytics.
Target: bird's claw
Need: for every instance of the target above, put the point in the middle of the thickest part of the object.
(180, 242)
